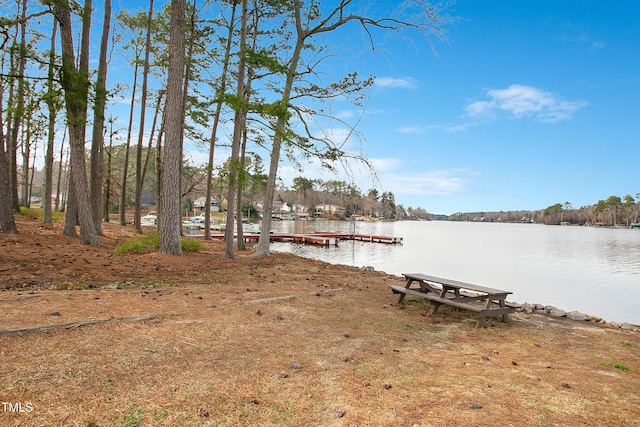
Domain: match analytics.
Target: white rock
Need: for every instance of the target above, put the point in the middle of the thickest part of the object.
(557, 313)
(576, 315)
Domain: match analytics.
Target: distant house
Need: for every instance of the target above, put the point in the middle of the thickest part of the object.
(281, 210)
(330, 209)
(281, 206)
(200, 201)
(284, 215)
(299, 209)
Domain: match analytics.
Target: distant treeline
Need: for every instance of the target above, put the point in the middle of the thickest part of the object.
(609, 212)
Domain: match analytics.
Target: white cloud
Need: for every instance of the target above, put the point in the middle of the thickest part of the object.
(461, 127)
(444, 182)
(392, 82)
(349, 170)
(345, 114)
(524, 101)
(418, 129)
(409, 130)
(386, 164)
(123, 99)
(480, 108)
(391, 176)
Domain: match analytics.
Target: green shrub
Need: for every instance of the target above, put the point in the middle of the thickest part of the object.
(31, 213)
(151, 239)
(616, 365)
(150, 242)
(135, 419)
(130, 247)
(190, 245)
(38, 214)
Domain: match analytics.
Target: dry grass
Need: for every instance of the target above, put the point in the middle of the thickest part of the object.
(283, 341)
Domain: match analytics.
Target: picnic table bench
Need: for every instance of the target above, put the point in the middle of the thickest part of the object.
(485, 301)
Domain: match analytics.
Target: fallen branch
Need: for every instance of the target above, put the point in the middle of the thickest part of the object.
(77, 324)
(50, 327)
(19, 298)
(286, 297)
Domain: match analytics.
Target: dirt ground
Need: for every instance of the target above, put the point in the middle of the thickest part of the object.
(90, 338)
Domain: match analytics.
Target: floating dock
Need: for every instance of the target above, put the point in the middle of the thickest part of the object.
(323, 238)
(361, 237)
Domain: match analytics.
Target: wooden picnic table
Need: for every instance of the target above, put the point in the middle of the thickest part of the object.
(485, 301)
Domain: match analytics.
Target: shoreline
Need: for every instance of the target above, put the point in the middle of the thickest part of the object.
(572, 315)
(201, 339)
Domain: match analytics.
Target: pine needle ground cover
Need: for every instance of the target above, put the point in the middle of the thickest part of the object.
(93, 338)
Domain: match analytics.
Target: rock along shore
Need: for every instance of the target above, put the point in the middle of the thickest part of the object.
(572, 315)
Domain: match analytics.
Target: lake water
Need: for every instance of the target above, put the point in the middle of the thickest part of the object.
(592, 270)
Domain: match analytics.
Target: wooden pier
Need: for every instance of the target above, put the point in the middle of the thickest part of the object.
(323, 238)
(361, 237)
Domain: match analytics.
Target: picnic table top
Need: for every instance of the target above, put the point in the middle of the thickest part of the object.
(456, 284)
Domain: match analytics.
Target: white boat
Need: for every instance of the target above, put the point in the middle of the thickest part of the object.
(193, 222)
(190, 225)
(250, 227)
(197, 219)
(213, 225)
(149, 220)
(247, 226)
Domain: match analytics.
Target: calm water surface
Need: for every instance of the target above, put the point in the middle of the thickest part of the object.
(592, 270)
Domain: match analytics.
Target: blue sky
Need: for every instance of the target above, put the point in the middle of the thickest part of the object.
(528, 104)
(525, 105)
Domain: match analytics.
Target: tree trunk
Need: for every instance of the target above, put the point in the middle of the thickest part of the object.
(185, 90)
(18, 106)
(169, 220)
(241, 183)
(26, 153)
(60, 206)
(262, 248)
(216, 120)
(123, 190)
(143, 110)
(7, 223)
(107, 177)
(237, 136)
(71, 211)
(151, 135)
(33, 169)
(76, 84)
(97, 140)
(158, 164)
(246, 99)
(48, 158)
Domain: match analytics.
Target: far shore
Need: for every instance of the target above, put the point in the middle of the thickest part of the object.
(151, 339)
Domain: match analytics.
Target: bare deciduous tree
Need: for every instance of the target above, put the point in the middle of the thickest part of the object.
(308, 21)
